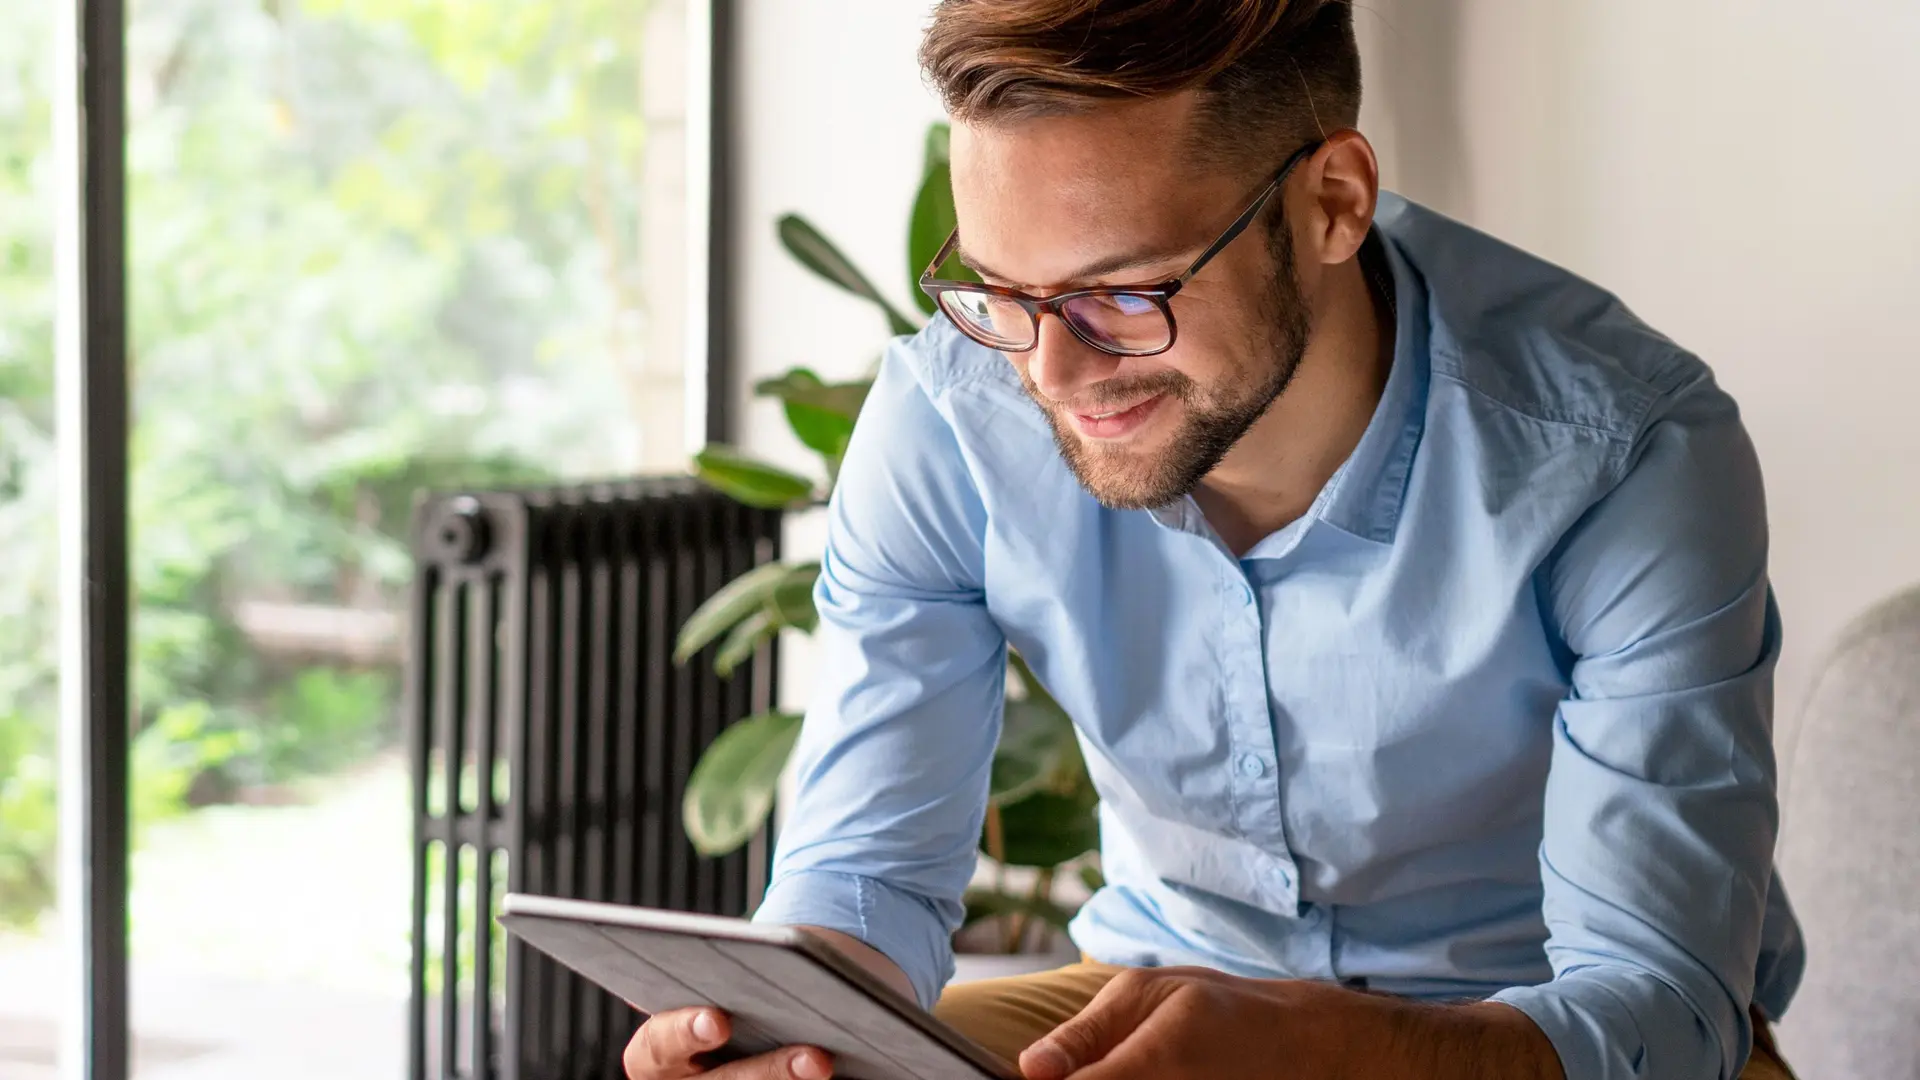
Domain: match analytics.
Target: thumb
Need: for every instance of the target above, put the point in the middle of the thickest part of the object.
(1120, 1007)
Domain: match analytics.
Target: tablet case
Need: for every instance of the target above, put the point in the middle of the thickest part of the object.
(768, 979)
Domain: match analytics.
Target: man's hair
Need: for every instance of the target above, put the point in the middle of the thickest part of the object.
(1271, 74)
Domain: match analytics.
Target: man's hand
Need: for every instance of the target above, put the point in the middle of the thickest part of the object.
(674, 1045)
(1195, 1024)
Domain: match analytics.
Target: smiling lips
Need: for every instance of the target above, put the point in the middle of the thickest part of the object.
(1117, 423)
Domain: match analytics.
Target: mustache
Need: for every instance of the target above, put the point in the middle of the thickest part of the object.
(1125, 390)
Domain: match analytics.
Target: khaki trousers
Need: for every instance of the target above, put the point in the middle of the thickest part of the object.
(1008, 1015)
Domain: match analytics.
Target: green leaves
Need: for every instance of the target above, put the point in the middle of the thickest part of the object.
(754, 606)
(1045, 829)
(933, 221)
(933, 217)
(755, 483)
(1092, 878)
(1039, 782)
(741, 642)
(818, 254)
(992, 903)
(792, 600)
(1042, 800)
(731, 790)
(1037, 752)
(735, 601)
(821, 414)
(802, 386)
(939, 143)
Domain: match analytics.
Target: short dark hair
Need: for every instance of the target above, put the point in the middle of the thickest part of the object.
(1271, 74)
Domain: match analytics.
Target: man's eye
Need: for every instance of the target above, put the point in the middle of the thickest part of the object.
(1128, 303)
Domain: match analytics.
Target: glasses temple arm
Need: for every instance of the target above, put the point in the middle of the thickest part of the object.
(939, 257)
(1246, 216)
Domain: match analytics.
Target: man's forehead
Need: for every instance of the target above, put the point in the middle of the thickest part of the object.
(1086, 158)
(1055, 204)
(1041, 202)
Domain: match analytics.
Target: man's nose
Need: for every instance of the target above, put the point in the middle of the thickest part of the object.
(1060, 365)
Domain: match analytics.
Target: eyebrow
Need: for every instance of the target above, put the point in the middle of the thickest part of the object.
(1111, 264)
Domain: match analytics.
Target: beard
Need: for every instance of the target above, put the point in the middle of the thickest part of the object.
(1214, 417)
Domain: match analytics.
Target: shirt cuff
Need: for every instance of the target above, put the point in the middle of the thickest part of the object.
(903, 927)
(1615, 1024)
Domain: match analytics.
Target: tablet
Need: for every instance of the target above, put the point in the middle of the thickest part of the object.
(780, 985)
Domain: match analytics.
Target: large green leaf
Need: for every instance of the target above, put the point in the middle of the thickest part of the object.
(818, 254)
(792, 599)
(749, 593)
(991, 903)
(1092, 878)
(1036, 744)
(801, 384)
(939, 144)
(755, 483)
(732, 788)
(821, 414)
(792, 381)
(932, 222)
(1046, 829)
(747, 635)
(823, 431)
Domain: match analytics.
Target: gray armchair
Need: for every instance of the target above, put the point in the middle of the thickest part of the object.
(1850, 853)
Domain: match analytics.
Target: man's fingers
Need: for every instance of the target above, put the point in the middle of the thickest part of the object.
(667, 1045)
(1113, 1014)
(793, 1063)
(670, 1046)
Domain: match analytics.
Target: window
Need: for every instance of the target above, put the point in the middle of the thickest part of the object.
(373, 246)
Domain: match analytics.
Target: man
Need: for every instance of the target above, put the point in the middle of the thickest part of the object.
(1409, 595)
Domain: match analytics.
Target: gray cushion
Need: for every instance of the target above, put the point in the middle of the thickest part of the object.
(1850, 854)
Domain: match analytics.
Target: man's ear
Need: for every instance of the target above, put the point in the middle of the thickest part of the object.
(1341, 191)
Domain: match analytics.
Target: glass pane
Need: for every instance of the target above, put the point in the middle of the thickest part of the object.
(29, 602)
(376, 245)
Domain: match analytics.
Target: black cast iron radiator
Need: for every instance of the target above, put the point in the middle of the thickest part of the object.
(551, 740)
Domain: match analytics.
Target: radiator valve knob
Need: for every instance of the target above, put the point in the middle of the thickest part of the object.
(461, 533)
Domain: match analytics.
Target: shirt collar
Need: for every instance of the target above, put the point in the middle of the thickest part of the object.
(1365, 495)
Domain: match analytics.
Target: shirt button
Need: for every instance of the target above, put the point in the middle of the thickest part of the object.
(1251, 765)
(1246, 594)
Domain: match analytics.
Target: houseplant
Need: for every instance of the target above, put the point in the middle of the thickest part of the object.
(1041, 814)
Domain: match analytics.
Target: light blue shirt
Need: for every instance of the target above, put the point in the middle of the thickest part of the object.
(1492, 719)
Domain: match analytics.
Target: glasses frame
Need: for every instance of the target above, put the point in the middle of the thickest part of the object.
(1159, 294)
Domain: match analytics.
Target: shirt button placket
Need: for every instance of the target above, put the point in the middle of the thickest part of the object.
(1247, 717)
(1257, 781)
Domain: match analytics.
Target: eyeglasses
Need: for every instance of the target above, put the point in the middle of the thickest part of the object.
(1123, 320)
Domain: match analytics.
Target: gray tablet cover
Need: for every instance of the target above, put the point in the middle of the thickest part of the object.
(774, 982)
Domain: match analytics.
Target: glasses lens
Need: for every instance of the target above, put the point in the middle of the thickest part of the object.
(991, 320)
(1122, 322)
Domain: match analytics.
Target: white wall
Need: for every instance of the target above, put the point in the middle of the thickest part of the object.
(833, 118)
(833, 113)
(1746, 173)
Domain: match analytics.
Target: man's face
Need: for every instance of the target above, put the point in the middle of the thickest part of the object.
(1111, 197)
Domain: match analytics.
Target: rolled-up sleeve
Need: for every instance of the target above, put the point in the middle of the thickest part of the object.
(1661, 809)
(894, 758)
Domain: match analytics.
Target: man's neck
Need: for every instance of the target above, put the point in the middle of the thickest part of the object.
(1274, 473)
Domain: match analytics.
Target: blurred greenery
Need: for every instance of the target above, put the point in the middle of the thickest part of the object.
(375, 245)
(1042, 807)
